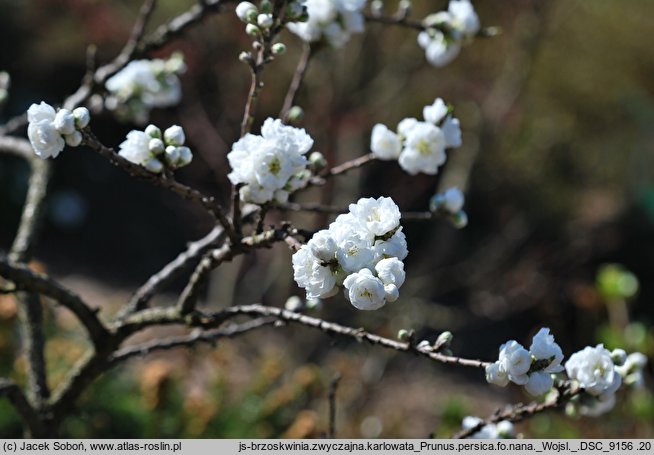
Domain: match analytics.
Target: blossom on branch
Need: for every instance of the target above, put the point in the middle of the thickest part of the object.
(155, 151)
(272, 165)
(49, 130)
(332, 20)
(362, 251)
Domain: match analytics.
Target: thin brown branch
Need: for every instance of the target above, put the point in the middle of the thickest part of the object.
(521, 411)
(333, 387)
(321, 208)
(29, 280)
(296, 82)
(404, 21)
(163, 180)
(342, 168)
(194, 338)
(256, 84)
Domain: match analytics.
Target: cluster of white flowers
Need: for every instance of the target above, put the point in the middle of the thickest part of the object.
(447, 31)
(532, 368)
(333, 20)
(500, 430)
(49, 130)
(419, 146)
(362, 250)
(261, 18)
(271, 165)
(143, 85)
(155, 151)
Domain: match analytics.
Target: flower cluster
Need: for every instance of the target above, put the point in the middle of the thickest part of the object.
(143, 85)
(419, 146)
(155, 151)
(272, 165)
(333, 20)
(362, 250)
(532, 368)
(447, 31)
(261, 18)
(49, 130)
(499, 430)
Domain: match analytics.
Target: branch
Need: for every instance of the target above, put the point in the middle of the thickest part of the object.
(321, 208)
(162, 180)
(333, 387)
(404, 21)
(520, 411)
(26, 279)
(342, 168)
(15, 396)
(296, 82)
(16, 146)
(188, 340)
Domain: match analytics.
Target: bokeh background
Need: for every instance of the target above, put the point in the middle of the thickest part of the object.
(557, 164)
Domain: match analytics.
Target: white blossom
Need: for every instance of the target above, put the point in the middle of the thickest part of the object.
(632, 369)
(539, 383)
(246, 10)
(378, 216)
(385, 144)
(435, 112)
(268, 163)
(439, 51)
(396, 247)
(316, 279)
(594, 370)
(136, 148)
(364, 290)
(323, 246)
(44, 137)
(174, 135)
(355, 253)
(453, 200)
(495, 374)
(543, 347)
(64, 122)
(424, 149)
(333, 20)
(515, 360)
(503, 429)
(391, 271)
(464, 18)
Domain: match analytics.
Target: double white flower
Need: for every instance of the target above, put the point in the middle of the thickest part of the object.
(155, 151)
(450, 29)
(49, 130)
(532, 368)
(271, 165)
(419, 146)
(333, 20)
(362, 251)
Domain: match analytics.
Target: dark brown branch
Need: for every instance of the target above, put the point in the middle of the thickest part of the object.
(14, 394)
(163, 180)
(520, 411)
(342, 168)
(333, 387)
(296, 82)
(196, 337)
(29, 280)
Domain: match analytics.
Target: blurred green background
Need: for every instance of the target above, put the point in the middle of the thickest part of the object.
(557, 117)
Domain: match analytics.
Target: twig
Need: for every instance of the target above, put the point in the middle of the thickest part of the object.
(16, 146)
(14, 394)
(333, 387)
(212, 259)
(296, 82)
(256, 84)
(30, 311)
(29, 280)
(342, 168)
(403, 21)
(189, 340)
(321, 208)
(521, 411)
(163, 180)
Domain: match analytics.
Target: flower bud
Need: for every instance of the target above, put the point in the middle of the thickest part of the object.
(391, 293)
(295, 114)
(153, 131)
(252, 30)
(266, 6)
(172, 155)
(185, 156)
(156, 146)
(64, 122)
(245, 57)
(317, 162)
(153, 165)
(246, 11)
(459, 219)
(294, 303)
(278, 48)
(313, 303)
(265, 20)
(443, 340)
(436, 202)
(74, 139)
(618, 356)
(174, 135)
(82, 117)
(424, 345)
